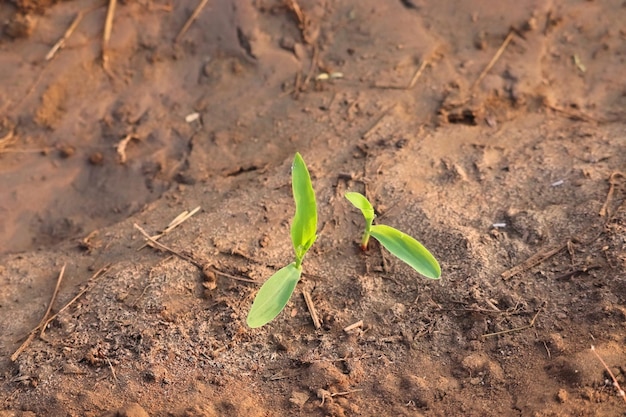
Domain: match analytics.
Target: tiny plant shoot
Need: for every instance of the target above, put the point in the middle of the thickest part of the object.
(276, 291)
(399, 244)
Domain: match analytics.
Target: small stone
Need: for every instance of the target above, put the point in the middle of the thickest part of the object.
(531, 24)
(21, 26)
(66, 151)
(401, 143)
(287, 43)
(96, 158)
(478, 363)
(299, 398)
(210, 279)
(556, 344)
(209, 285)
(185, 178)
(264, 241)
(480, 42)
(155, 373)
(561, 396)
(149, 376)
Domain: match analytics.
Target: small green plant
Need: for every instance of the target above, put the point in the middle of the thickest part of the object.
(399, 244)
(276, 291)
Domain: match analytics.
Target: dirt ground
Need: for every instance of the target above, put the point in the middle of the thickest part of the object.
(492, 132)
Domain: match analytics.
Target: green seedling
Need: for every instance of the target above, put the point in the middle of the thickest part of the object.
(399, 244)
(276, 291)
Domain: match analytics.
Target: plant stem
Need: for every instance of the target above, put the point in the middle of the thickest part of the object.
(299, 262)
(366, 235)
(365, 240)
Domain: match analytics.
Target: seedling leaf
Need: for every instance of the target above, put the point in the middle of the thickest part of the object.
(273, 296)
(408, 250)
(359, 201)
(304, 225)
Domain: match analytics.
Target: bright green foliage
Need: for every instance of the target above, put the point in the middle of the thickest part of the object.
(399, 244)
(408, 250)
(359, 201)
(273, 295)
(304, 223)
(276, 291)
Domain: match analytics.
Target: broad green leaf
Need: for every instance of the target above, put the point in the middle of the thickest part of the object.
(304, 225)
(273, 296)
(408, 250)
(359, 201)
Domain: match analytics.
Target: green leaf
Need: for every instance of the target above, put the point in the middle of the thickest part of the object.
(273, 296)
(359, 201)
(304, 225)
(408, 250)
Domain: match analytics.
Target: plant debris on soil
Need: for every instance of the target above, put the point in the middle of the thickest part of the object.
(145, 196)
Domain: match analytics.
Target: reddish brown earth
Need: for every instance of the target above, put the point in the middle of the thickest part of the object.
(487, 171)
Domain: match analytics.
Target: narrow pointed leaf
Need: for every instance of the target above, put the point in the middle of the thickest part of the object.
(273, 296)
(359, 201)
(304, 225)
(408, 250)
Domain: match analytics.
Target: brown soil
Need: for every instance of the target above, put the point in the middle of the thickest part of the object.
(488, 171)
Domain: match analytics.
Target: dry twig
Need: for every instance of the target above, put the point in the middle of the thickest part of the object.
(323, 394)
(495, 58)
(412, 82)
(517, 329)
(314, 64)
(93, 278)
(575, 115)
(108, 26)
(379, 119)
(613, 181)
(121, 147)
(418, 74)
(61, 42)
(309, 304)
(353, 326)
(8, 139)
(619, 389)
(43, 320)
(112, 370)
(54, 297)
(153, 243)
(178, 220)
(295, 7)
(303, 21)
(57, 46)
(191, 19)
(534, 260)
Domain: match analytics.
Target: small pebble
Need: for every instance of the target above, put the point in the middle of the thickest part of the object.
(96, 158)
(561, 396)
(66, 151)
(21, 26)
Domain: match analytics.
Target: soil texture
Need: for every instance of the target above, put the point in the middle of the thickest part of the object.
(492, 132)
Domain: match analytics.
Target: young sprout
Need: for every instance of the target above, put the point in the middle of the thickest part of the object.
(399, 244)
(276, 291)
